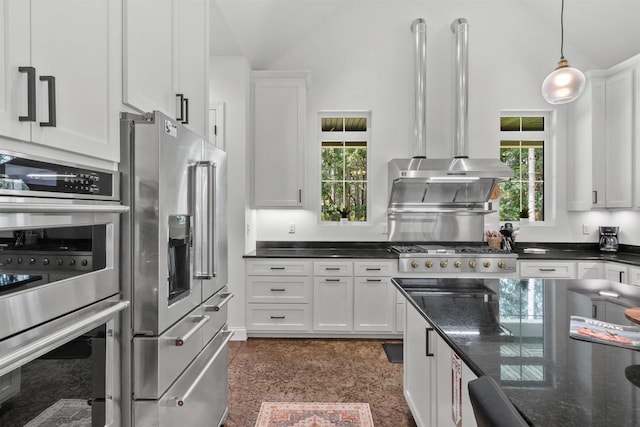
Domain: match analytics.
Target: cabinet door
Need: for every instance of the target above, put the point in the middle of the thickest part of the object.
(616, 272)
(419, 367)
(148, 56)
(374, 302)
(77, 42)
(453, 405)
(15, 39)
(278, 112)
(192, 60)
(333, 304)
(619, 139)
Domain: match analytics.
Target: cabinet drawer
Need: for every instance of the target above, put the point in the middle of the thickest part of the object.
(634, 276)
(373, 268)
(278, 317)
(547, 269)
(278, 289)
(333, 268)
(278, 268)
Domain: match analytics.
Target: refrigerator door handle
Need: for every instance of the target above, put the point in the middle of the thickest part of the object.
(205, 239)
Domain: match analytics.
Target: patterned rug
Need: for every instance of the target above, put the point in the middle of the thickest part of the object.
(65, 412)
(314, 414)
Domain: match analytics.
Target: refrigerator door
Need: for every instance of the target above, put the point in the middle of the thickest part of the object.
(214, 238)
(163, 285)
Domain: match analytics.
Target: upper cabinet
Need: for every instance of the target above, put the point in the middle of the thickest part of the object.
(59, 75)
(278, 111)
(165, 59)
(601, 140)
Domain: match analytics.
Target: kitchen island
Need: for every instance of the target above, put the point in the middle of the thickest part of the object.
(517, 331)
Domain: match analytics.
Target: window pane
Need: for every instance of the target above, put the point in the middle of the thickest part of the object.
(332, 200)
(510, 193)
(532, 124)
(332, 124)
(357, 200)
(510, 124)
(355, 164)
(332, 164)
(355, 124)
(539, 202)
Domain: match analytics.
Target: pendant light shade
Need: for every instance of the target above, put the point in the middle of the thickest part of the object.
(565, 83)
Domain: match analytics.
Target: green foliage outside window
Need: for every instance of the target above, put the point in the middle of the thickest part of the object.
(344, 181)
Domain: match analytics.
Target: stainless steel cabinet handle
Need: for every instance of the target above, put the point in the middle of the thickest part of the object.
(374, 280)
(277, 268)
(180, 401)
(51, 80)
(225, 299)
(277, 317)
(331, 280)
(31, 94)
(428, 352)
(374, 269)
(203, 208)
(179, 341)
(332, 268)
(547, 269)
(278, 289)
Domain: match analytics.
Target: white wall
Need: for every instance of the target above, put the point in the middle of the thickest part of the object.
(230, 84)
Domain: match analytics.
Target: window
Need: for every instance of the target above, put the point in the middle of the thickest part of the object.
(344, 141)
(522, 147)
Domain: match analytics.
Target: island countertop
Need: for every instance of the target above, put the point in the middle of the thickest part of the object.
(517, 331)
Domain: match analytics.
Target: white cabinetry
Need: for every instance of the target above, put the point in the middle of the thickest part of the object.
(278, 112)
(634, 276)
(547, 269)
(165, 59)
(616, 272)
(619, 119)
(374, 297)
(590, 270)
(333, 296)
(59, 76)
(435, 378)
(278, 295)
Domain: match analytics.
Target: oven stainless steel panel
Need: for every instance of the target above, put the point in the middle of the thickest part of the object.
(157, 361)
(199, 395)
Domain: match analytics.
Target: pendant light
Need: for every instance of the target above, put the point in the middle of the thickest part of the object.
(565, 83)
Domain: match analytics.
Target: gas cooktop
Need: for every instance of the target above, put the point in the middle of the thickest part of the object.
(410, 250)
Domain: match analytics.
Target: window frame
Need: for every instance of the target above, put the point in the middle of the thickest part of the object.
(548, 136)
(346, 136)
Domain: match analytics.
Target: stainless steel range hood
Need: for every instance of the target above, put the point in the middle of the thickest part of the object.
(463, 184)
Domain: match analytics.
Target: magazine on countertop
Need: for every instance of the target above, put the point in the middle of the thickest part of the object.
(594, 330)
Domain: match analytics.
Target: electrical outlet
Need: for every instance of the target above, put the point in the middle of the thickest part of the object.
(248, 229)
(292, 228)
(585, 229)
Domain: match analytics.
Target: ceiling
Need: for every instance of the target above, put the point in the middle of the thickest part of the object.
(604, 31)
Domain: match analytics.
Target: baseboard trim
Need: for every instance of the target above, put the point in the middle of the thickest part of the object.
(239, 334)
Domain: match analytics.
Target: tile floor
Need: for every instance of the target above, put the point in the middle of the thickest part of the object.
(314, 370)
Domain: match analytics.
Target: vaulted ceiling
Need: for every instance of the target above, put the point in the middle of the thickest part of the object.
(604, 31)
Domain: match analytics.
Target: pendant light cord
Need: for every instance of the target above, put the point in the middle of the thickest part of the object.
(562, 31)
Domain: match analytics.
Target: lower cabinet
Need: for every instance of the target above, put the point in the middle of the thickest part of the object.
(547, 269)
(321, 297)
(435, 378)
(590, 270)
(616, 272)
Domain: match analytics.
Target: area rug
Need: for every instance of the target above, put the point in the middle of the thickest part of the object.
(65, 412)
(394, 352)
(314, 414)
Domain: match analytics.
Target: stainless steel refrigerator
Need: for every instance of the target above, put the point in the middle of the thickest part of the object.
(174, 272)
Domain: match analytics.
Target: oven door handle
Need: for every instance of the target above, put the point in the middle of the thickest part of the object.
(181, 400)
(61, 208)
(179, 341)
(45, 340)
(205, 238)
(225, 299)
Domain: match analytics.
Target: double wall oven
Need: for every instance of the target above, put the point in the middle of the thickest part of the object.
(60, 301)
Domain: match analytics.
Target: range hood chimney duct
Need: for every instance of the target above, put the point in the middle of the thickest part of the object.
(419, 28)
(460, 28)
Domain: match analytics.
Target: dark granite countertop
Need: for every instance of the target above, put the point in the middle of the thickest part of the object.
(519, 334)
(318, 249)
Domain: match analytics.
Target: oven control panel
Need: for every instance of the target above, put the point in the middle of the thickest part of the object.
(452, 265)
(45, 262)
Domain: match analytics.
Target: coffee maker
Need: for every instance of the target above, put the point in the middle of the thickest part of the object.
(608, 238)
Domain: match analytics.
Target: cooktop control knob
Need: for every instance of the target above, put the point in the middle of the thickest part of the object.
(59, 261)
(486, 264)
(501, 264)
(8, 260)
(414, 264)
(472, 264)
(32, 261)
(45, 261)
(428, 264)
(84, 262)
(443, 264)
(72, 262)
(457, 264)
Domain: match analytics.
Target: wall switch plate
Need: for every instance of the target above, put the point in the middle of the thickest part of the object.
(292, 228)
(585, 229)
